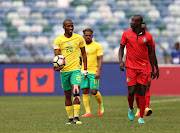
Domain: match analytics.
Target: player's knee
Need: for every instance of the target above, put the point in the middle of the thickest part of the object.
(131, 93)
(85, 91)
(94, 92)
(68, 96)
(76, 96)
(76, 93)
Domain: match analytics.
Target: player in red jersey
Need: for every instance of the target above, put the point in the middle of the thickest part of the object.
(148, 111)
(138, 43)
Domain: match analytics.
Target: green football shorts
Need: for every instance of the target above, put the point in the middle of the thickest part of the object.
(90, 82)
(70, 78)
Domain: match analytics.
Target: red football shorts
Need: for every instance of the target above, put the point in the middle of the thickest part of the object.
(134, 76)
(149, 76)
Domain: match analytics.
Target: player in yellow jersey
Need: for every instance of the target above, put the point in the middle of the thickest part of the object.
(94, 64)
(68, 45)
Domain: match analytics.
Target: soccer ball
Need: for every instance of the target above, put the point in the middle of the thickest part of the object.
(59, 61)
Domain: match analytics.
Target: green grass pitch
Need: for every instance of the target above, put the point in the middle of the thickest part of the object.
(48, 115)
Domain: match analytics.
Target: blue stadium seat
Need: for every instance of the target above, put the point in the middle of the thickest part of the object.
(111, 4)
(23, 35)
(70, 10)
(30, 22)
(123, 21)
(47, 15)
(114, 45)
(3, 28)
(47, 34)
(29, 4)
(99, 38)
(36, 34)
(53, 22)
(92, 9)
(71, 15)
(99, 22)
(57, 10)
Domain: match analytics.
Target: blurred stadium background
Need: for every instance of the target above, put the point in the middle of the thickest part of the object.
(27, 31)
(29, 27)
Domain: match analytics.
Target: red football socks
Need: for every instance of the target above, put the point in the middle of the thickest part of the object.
(147, 98)
(137, 99)
(142, 102)
(130, 100)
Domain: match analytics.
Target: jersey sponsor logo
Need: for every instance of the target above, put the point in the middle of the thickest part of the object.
(144, 64)
(15, 80)
(144, 39)
(69, 43)
(55, 45)
(128, 79)
(42, 80)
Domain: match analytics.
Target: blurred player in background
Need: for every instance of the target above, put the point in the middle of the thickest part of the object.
(148, 111)
(68, 44)
(176, 54)
(138, 43)
(94, 64)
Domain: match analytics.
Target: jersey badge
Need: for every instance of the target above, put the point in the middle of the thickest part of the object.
(128, 79)
(144, 39)
(69, 43)
(75, 42)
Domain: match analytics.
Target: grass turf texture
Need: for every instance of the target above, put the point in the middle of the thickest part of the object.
(48, 115)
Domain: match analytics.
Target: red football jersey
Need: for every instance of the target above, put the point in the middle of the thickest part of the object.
(137, 50)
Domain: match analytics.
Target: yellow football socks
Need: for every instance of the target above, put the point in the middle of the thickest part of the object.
(69, 110)
(98, 98)
(86, 103)
(76, 110)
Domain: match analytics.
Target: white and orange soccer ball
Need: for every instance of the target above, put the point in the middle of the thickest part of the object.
(59, 61)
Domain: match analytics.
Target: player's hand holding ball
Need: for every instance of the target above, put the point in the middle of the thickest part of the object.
(59, 62)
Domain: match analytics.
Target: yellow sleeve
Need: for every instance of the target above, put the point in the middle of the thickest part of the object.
(57, 43)
(81, 42)
(99, 50)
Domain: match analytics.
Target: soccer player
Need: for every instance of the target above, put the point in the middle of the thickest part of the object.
(68, 44)
(94, 65)
(148, 111)
(176, 54)
(138, 43)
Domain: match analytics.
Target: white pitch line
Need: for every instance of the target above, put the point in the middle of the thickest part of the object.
(165, 100)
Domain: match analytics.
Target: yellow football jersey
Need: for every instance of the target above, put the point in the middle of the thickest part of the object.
(92, 51)
(69, 48)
